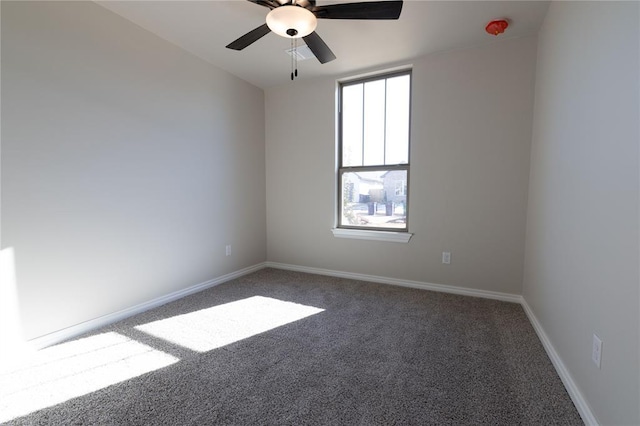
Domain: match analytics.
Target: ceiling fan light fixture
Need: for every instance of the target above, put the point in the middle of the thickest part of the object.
(291, 21)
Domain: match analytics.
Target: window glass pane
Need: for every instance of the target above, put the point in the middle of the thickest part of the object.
(352, 125)
(374, 199)
(397, 129)
(374, 104)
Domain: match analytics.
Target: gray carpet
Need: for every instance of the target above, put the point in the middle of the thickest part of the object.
(374, 355)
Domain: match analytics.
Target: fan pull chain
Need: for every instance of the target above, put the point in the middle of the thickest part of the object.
(292, 55)
(294, 58)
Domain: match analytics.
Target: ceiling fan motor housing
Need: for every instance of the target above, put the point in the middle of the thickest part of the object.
(292, 21)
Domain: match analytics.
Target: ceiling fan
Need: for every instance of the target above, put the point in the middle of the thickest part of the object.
(298, 19)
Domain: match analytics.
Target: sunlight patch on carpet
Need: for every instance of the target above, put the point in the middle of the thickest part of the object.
(69, 370)
(218, 326)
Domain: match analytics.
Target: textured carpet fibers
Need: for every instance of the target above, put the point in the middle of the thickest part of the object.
(309, 350)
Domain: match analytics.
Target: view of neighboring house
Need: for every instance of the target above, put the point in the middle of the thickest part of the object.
(395, 186)
(387, 187)
(371, 194)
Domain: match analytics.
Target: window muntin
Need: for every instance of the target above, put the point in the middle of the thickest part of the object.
(374, 152)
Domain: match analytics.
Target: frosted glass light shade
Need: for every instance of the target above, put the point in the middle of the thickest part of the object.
(285, 18)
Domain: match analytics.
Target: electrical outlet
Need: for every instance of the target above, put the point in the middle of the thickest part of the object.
(228, 250)
(446, 257)
(596, 353)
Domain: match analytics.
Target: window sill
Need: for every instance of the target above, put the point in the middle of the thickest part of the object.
(362, 234)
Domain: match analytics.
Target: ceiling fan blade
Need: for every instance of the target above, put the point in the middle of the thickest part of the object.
(366, 10)
(319, 48)
(250, 37)
(271, 4)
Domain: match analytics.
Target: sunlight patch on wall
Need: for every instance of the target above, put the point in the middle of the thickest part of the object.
(11, 340)
(222, 325)
(69, 370)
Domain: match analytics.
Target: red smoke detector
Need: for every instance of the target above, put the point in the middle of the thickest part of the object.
(496, 27)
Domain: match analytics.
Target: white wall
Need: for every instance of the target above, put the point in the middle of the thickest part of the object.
(471, 134)
(581, 268)
(127, 164)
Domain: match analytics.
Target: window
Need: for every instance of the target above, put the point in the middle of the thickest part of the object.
(401, 187)
(373, 147)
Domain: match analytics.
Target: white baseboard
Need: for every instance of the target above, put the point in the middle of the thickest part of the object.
(87, 326)
(576, 396)
(505, 297)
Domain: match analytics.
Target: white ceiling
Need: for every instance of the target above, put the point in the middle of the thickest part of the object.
(204, 28)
